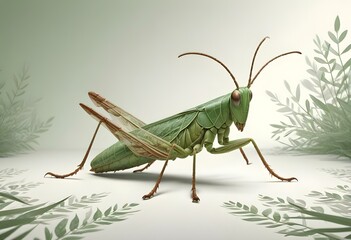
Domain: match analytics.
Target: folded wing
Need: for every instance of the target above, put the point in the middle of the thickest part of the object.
(124, 119)
(139, 141)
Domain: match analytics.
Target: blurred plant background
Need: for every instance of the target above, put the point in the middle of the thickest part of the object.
(19, 125)
(322, 123)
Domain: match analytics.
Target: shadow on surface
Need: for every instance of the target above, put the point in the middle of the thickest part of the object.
(213, 180)
(152, 177)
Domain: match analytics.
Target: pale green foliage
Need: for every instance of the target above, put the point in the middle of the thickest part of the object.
(320, 124)
(330, 218)
(19, 125)
(19, 215)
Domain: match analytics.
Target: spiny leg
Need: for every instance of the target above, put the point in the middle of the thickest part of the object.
(270, 170)
(235, 144)
(153, 191)
(144, 168)
(80, 166)
(244, 155)
(193, 189)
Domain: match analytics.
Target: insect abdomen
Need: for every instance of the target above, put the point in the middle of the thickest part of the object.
(116, 157)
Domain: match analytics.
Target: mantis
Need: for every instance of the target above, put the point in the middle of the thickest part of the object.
(178, 136)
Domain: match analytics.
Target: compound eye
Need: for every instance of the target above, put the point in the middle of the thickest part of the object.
(236, 97)
(250, 95)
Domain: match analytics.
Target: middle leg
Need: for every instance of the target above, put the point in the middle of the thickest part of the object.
(153, 191)
(193, 188)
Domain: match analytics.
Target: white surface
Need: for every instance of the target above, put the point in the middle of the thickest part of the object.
(171, 214)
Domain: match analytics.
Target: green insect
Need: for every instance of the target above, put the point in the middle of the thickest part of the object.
(179, 136)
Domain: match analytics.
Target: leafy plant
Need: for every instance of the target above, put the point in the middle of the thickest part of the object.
(322, 123)
(75, 228)
(330, 219)
(18, 212)
(19, 125)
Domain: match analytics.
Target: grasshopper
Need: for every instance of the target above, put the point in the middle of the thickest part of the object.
(179, 136)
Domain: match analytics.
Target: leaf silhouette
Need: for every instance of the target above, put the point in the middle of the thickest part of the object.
(320, 124)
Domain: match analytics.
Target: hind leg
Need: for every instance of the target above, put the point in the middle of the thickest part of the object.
(144, 168)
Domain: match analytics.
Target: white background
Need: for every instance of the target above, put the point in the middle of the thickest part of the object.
(127, 51)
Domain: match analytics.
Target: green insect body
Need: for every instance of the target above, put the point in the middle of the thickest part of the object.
(179, 136)
(187, 130)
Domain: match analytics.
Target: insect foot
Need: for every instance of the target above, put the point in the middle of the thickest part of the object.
(147, 196)
(196, 199)
(290, 179)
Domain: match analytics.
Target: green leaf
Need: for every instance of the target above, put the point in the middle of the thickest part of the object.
(320, 104)
(307, 84)
(15, 222)
(104, 223)
(107, 212)
(253, 209)
(18, 210)
(11, 197)
(266, 212)
(347, 64)
(133, 204)
(74, 223)
(23, 235)
(48, 234)
(60, 229)
(6, 234)
(320, 60)
(346, 49)
(308, 106)
(337, 24)
(326, 217)
(342, 36)
(298, 93)
(292, 120)
(276, 216)
(287, 85)
(284, 109)
(42, 210)
(269, 93)
(97, 214)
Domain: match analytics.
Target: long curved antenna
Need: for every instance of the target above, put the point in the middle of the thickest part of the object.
(281, 55)
(215, 59)
(253, 60)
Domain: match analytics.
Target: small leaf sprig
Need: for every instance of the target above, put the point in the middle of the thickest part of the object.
(18, 211)
(295, 218)
(322, 123)
(288, 221)
(19, 125)
(75, 228)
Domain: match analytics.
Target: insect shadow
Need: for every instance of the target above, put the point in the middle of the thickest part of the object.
(184, 180)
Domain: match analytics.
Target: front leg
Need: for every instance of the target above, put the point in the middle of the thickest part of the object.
(238, 144)
(223, 139)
